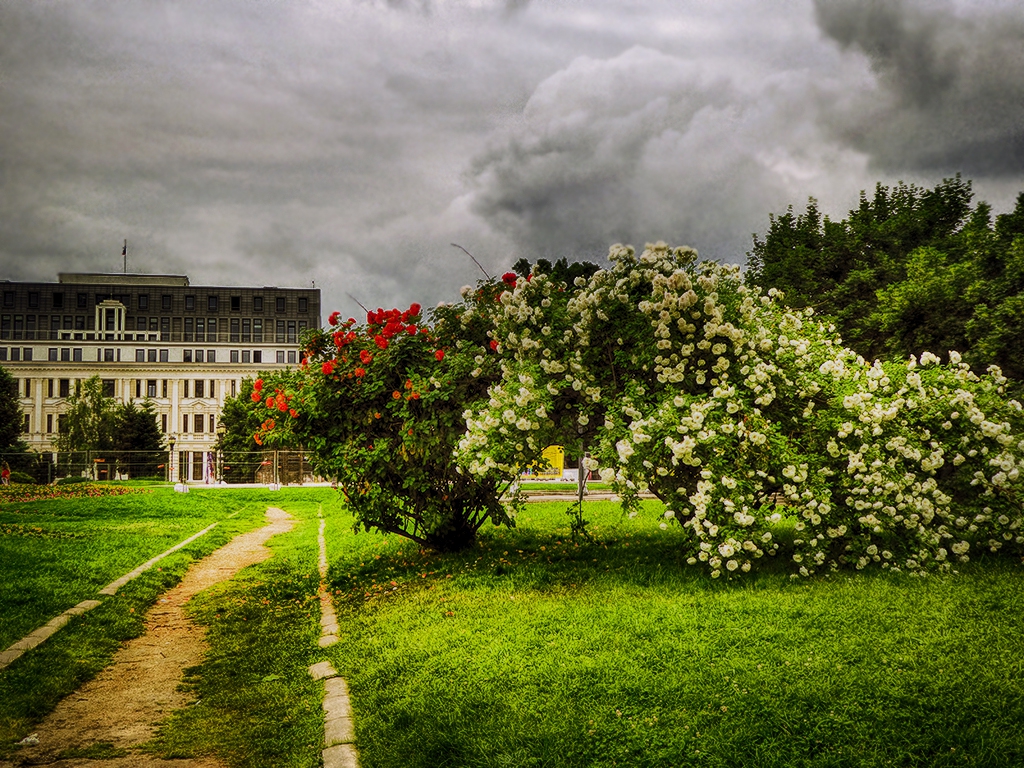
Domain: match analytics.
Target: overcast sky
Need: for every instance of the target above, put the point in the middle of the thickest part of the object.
(349, 142)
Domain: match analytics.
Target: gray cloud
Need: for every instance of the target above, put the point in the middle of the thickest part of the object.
(350, 142)
(951, 84)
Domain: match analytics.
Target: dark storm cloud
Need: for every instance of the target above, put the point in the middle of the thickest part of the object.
(951, 80)
(640, 147)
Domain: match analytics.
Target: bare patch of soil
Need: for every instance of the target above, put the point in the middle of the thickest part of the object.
(119, 709)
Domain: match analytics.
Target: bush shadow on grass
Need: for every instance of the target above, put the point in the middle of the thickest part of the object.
(540, 554)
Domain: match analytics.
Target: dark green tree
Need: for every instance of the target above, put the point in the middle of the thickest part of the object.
(138, 441)
(241, 454)
(11, 419)
(87, 425)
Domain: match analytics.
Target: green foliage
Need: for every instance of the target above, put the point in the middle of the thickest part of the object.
(242, 455)
(90, 419)
(378, 406)
(22, 477)
(138, 440)
(11, 419)
(911, 270)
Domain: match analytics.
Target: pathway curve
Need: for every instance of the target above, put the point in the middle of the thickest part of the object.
(122, 705)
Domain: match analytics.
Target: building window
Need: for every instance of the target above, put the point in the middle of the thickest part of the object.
(292, 338)
(190, 303)
(236, 303)
(33, 299)
(211, 330)
(200, 329)
(246, 356)
(76, 354)
(163, 388)
(186, 356)
(51, 355)
(291, 356)
(213, 393)
(143, 301)
(234, 355)
(190, 329)
(49, 387)
(108, 387)
(151, 355)
(198, 421)
(280, 303)
(28, 387)
(165, 302)
(163, 423)
(26, 354)
(64, 387)
(79, 322)
(151, 388)
(49, 423)
(211, 303)
(257, 330)
(82, 301)
(58, 301)
(138, 387)
(30, 326)
(198, 388)
(54, 326)
(184, 422)
(165, 355)
(165, 329)
(257, 355)
(257, 303)
(211, 356)
(303, 304)
(199, 355)
(246, 331)
(234, 387)
(9, 299)
(234, 332)
(140, 355)
(280, 332)
(108, 355)
(65, 355)
(15, 355)
(3, 354)
(280, 356)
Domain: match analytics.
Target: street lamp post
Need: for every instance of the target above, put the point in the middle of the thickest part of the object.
(170, 459)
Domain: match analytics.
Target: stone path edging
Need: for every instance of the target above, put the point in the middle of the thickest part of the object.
(339, 732)
(43, 633)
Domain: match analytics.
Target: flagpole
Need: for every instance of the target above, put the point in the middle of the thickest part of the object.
(124, 252)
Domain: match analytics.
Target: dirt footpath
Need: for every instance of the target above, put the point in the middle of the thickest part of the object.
(122, 705)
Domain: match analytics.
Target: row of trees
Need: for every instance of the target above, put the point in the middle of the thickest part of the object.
(908, 270)
(743, 415)
(125, 434)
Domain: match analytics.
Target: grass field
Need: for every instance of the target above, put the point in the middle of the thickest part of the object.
(534, 650)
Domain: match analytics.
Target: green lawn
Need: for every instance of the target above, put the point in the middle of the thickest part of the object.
(535, 650)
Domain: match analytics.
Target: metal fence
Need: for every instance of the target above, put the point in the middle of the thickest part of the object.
(180, 466)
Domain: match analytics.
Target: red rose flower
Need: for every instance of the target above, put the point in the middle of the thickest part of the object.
(333, 319)
(270, 401)
(509, 279)
(439, 355)
(494, 345)
(414, 309)
(380, 341)
(258, 384)
(365, 357)
(256, 396)
(360, 372)
(328, 368)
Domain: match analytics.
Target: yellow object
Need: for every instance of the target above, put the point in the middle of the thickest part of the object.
(554, 460)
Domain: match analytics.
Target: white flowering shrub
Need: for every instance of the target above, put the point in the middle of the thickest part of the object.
(747, 418)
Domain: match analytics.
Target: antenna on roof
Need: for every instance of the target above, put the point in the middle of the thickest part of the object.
(456, 245)
(124, 253)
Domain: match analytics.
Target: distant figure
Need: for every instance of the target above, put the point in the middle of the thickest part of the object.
(5, 474)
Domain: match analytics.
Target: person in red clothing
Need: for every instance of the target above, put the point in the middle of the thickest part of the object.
(5, 474)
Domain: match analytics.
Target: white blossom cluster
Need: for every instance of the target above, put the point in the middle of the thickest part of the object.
(761, 433)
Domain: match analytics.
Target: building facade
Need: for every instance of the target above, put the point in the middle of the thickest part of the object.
(184, 348)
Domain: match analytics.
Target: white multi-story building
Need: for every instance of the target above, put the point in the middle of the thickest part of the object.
(183, 347)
